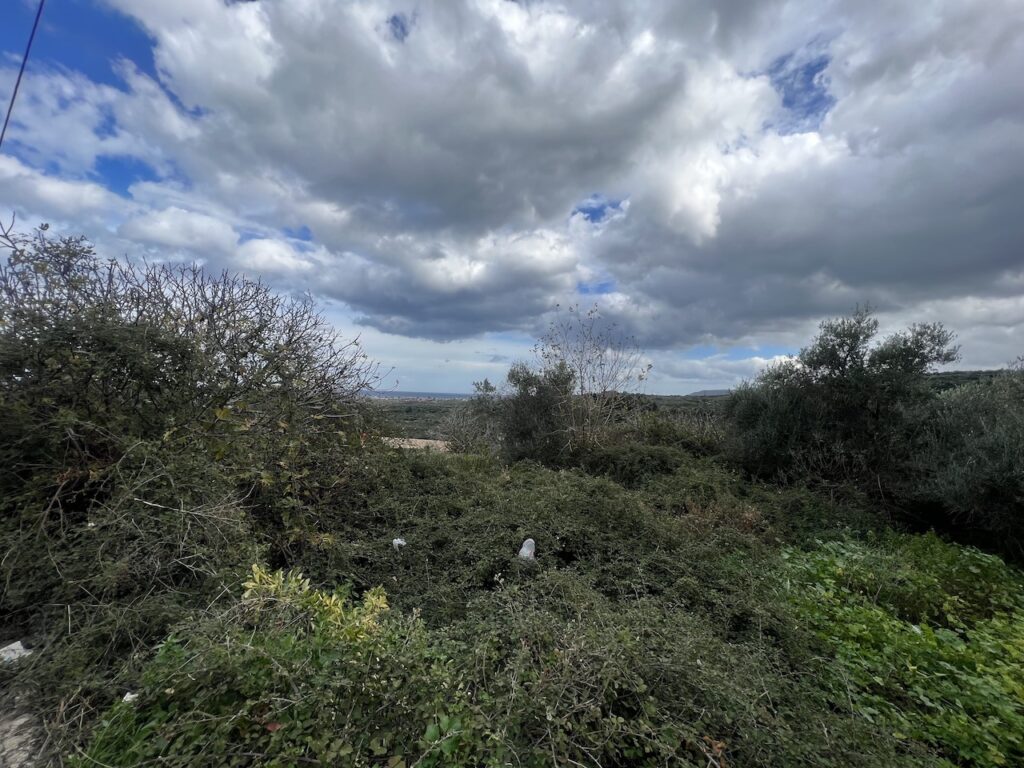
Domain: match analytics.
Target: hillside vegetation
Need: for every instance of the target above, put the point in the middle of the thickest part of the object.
(196, 510)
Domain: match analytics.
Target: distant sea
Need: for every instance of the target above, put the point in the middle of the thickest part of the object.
(401, 395)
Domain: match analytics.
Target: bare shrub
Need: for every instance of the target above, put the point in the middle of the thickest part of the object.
(473, 426)
(607, 367)
(581, 389)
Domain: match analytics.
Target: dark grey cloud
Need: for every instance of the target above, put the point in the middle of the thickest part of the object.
(774, 162)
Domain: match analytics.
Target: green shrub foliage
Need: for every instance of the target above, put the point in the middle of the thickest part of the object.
(848, 410)
(839, 411)
(159, 424)
(474, 426)
(539, 667)
(181, 446)
(292, 676)
(580, 391)
(536, 416)
(632, 463)
(968, 465)
(927, 638)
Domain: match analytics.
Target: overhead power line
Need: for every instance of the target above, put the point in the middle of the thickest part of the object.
(24, 61)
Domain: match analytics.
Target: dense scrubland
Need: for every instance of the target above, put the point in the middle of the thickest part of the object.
(196, 509)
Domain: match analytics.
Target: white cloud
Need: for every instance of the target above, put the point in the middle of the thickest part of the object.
(271, 256)
(176, 228)
(438, 175)
(25, 188)
(716, 371)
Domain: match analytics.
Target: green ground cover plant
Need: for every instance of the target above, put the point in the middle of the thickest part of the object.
(925, 636)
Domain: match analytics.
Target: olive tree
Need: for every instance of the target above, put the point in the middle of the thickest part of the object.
(968, 462)
(840, 410)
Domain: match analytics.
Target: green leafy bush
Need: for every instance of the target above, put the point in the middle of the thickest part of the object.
(536, 420)
(562, 670)
(580, 391)
(927, 638)
(848, 410)
(465, 517)
(699, 430)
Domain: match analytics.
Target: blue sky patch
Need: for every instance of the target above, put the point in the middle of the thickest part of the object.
(597, 208)
(803, 86)
(303, 233)
(118, 173)
(81, 35)
(598, 288)
(399, 26)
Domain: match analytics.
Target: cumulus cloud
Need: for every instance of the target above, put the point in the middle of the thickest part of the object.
(23, 188)
(457, 287)
(713, 173)
(717, 371)
(272, 256)
(177, 228)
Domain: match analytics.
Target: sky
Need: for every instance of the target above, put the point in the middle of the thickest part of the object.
(716, 176)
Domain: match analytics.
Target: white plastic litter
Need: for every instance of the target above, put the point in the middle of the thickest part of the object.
(130, 697)
(397, 544)
(526, 551)
(14, 651)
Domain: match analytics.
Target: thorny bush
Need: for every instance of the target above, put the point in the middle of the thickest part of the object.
(159, 423)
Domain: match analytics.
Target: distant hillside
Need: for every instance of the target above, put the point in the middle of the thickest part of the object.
(404, 395)
(950, 379)
(941, 381)
(419, 418)
(710, 393)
